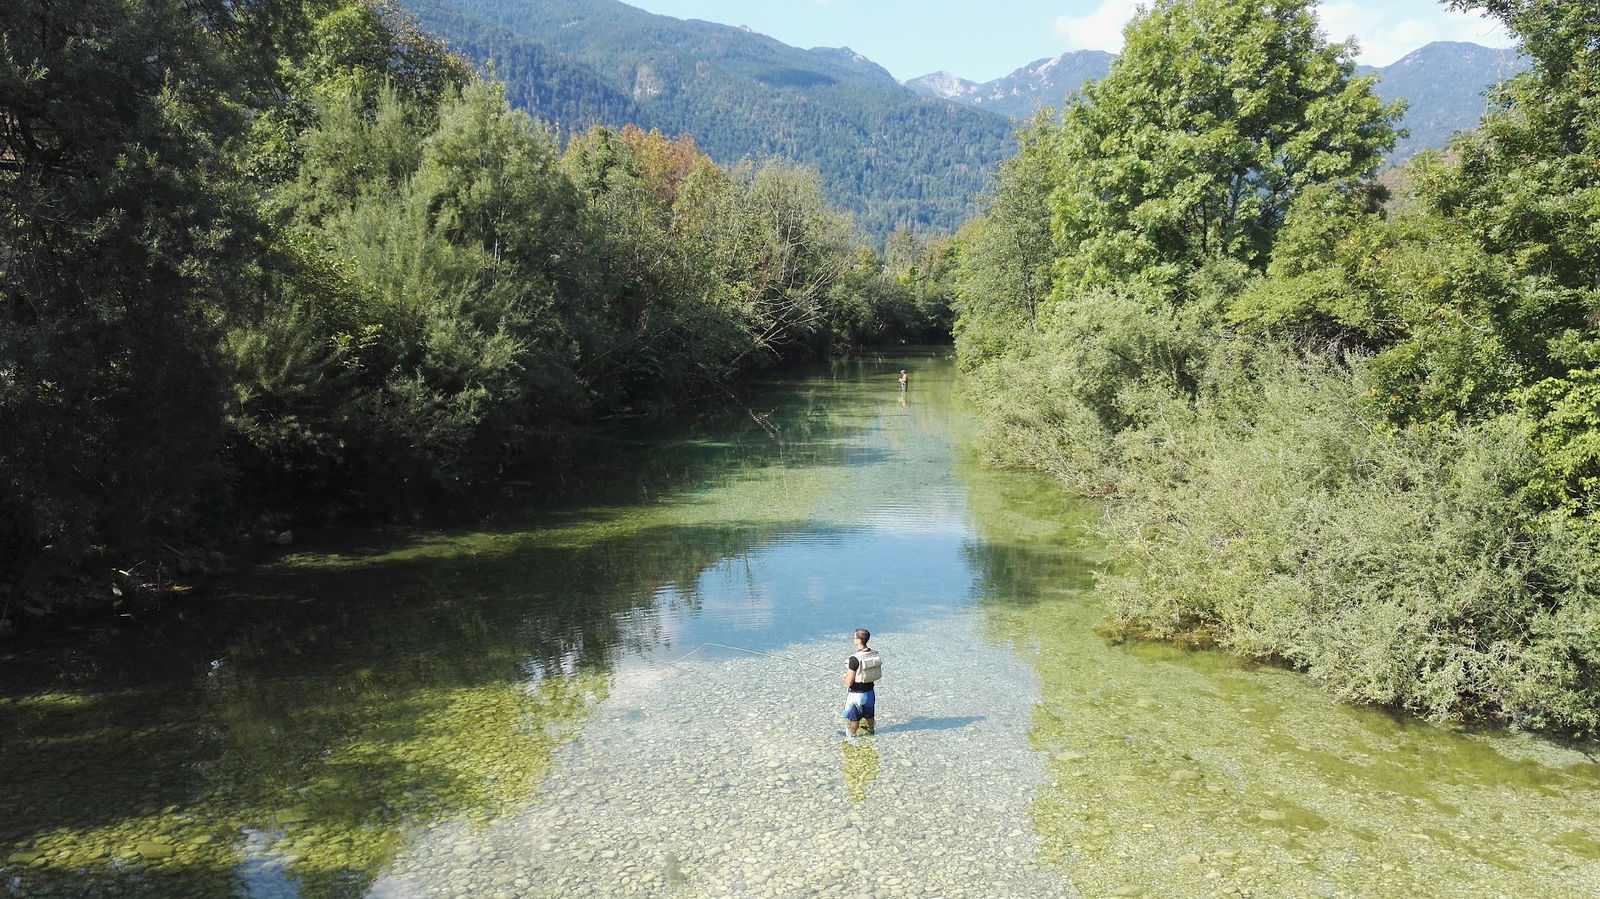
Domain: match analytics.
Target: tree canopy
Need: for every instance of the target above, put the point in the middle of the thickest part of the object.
(1193, 148)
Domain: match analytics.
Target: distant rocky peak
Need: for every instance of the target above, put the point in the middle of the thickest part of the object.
(1041, 66)
(1457, 49)
(1043, 82)
(944, 85)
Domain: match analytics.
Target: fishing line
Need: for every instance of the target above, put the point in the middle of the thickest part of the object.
(759, 652)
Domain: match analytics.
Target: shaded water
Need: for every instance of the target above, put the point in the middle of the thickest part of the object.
(531, 707)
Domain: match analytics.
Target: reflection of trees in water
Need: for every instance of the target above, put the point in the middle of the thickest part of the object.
(860, 767)
(802, 424)
(1033, 540)
(358, 697)
(440, 722)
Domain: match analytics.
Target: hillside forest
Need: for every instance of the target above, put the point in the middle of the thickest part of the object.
(271, 259)
(1348, 424)
(891, 158)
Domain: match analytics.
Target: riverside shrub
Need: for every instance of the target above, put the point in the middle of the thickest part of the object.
(1404, 567)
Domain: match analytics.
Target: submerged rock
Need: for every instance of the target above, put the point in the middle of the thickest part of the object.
(292, 815)
(153, 850)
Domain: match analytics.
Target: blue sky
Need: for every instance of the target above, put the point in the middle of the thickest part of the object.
(985, 41)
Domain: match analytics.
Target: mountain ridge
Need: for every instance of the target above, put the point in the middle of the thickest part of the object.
(1041, 83)
(1445, 85)
(1443, 82)
(891, 157)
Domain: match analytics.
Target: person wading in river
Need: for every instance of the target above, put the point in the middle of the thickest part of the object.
(862, 670)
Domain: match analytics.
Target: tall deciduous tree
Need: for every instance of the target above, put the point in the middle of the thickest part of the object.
(1527, 188)
(1004, 274)
(116, 208)
(1193, 147)
(1528, 181)
(797, 246)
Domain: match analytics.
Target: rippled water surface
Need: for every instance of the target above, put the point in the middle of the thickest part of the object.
(632, 688)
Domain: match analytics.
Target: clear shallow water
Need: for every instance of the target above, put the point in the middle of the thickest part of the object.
(529, 707)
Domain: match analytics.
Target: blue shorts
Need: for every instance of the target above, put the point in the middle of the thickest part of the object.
(859, 705)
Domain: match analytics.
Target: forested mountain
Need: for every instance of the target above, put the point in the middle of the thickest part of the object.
(1443, 84)
(539, 81)
(890, 156)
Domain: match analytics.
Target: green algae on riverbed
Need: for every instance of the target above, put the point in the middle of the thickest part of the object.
(263, 792)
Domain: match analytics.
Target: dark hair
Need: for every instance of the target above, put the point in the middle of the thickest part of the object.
(863, 635)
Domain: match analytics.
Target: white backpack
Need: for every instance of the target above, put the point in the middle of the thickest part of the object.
(869, 666)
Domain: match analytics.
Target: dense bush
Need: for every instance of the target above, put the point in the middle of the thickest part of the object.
(118, 214)
(1407, 567)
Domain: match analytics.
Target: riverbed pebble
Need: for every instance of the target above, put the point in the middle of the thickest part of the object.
(657, 797)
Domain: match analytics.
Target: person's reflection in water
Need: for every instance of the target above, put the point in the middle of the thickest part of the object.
(860, 768)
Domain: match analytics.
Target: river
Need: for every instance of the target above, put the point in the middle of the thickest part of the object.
(632, 687)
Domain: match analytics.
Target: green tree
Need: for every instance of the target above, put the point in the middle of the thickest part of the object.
(867, 304)
(1527, 182)
(1195, 145)
(271, 253)
(1364, 440)
(1525, 186)
(343, 49)
(797, 246)
(773, 249)
(1006, 258)
(453, 316)
(363, 47)
(663, 335)
(118, 215)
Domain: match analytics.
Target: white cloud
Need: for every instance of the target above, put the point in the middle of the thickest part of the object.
(1385, 29)
(1101, 29)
